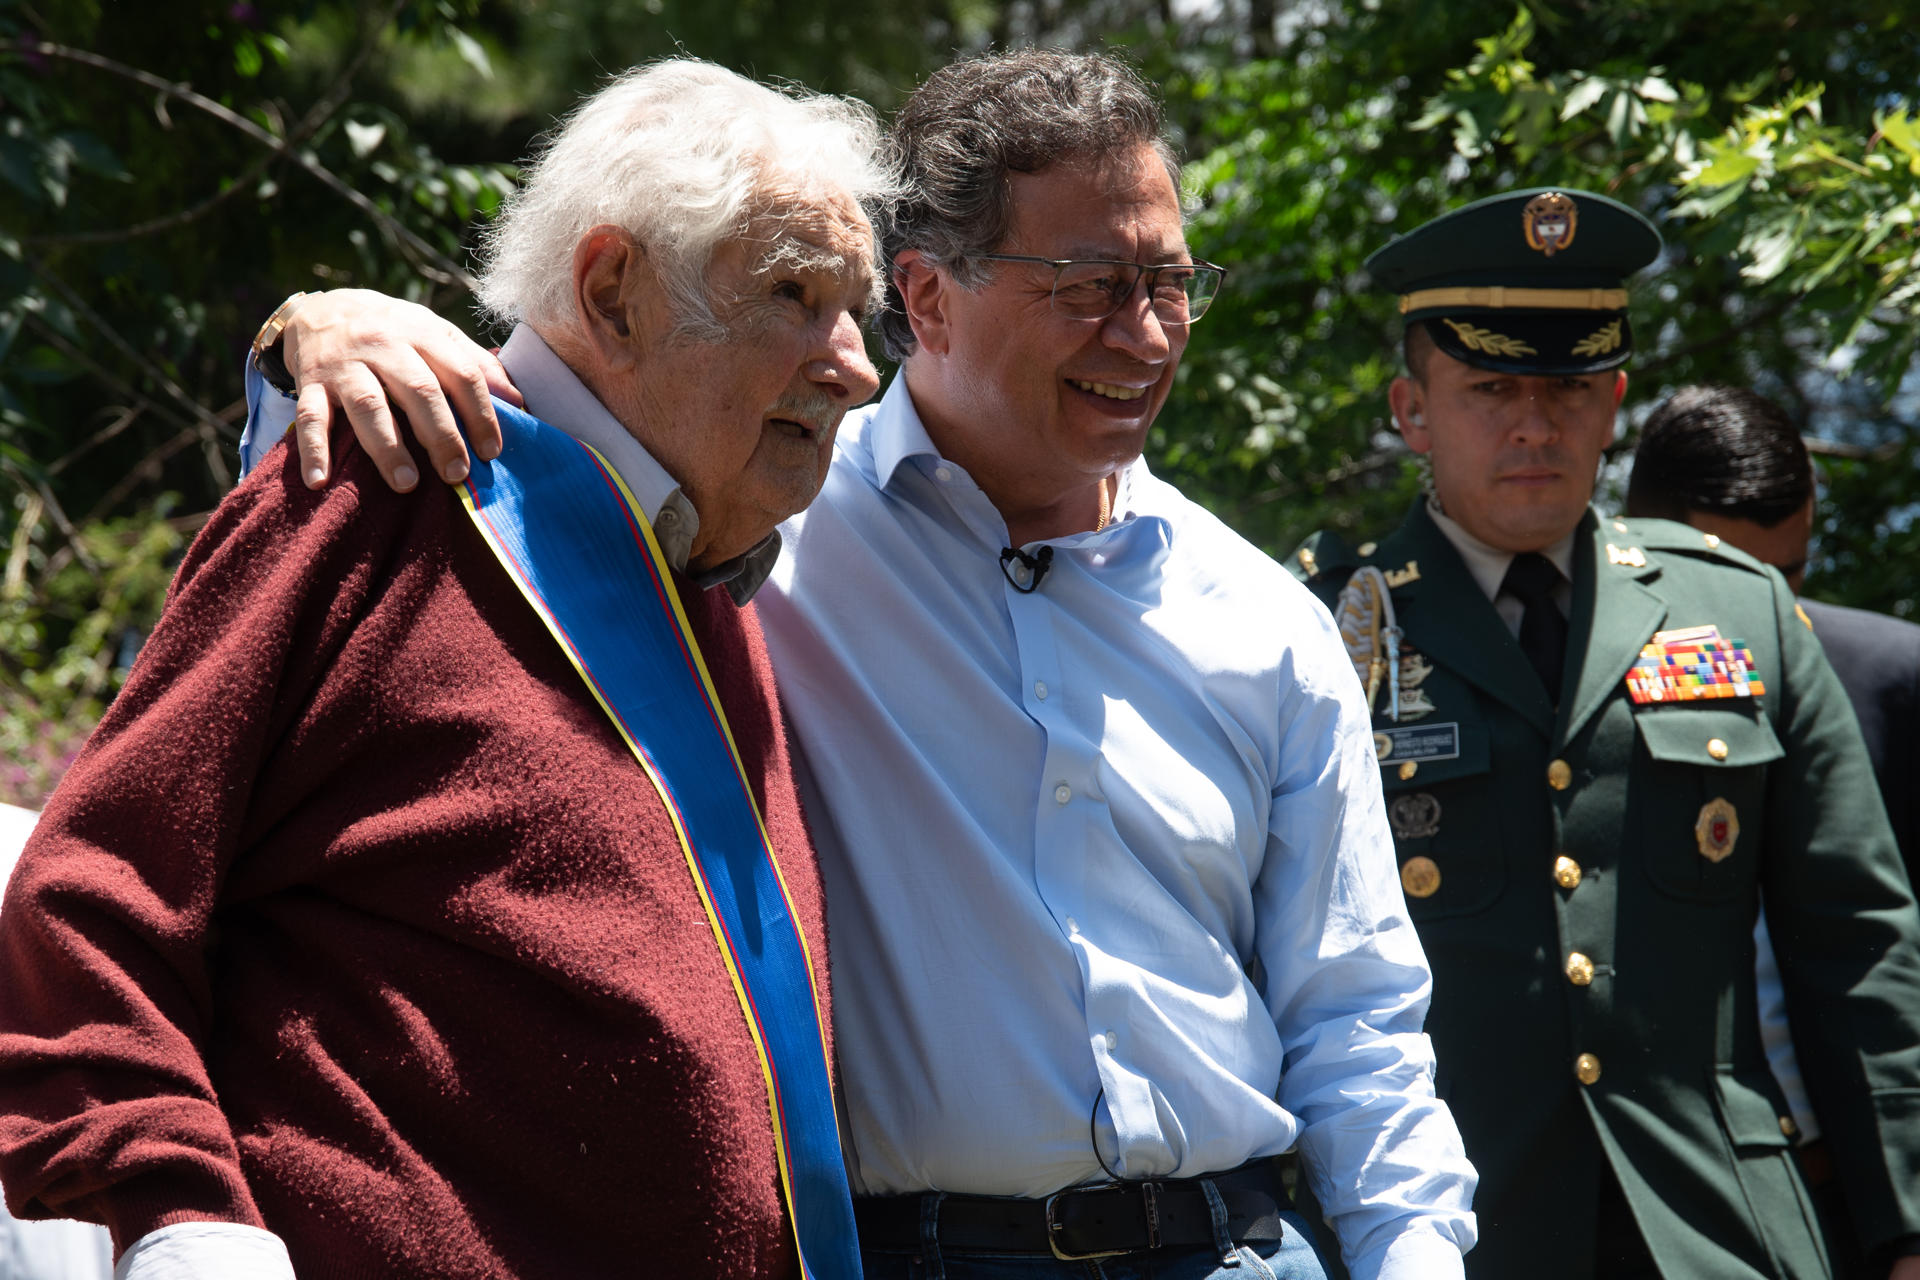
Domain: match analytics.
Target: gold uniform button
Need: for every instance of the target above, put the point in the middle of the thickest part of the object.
(1712, 541)
(1559, 775)
(1420, 877)
(1566, 872)
(1579, 970)
(1368, 548)
(1586, 1068)
(1788, 1128)
(1717, 748)
(1407, 769)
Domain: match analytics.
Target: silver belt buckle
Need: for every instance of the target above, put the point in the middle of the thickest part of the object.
(1054, 1227)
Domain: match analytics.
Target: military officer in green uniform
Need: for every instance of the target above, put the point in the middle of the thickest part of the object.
(1602, 742)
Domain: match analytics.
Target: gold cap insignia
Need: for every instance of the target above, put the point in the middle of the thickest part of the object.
(1716, 829)
(1598, 343)
(1550, 220)
(1486, 340)
(1632, 557)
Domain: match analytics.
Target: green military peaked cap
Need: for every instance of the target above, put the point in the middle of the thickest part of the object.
(1530, 282)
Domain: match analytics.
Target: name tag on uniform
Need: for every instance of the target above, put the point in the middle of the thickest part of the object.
(1418, 742)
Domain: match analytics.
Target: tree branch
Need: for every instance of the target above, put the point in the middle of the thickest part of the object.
(317, 115)
(146, 366)
(425, 258)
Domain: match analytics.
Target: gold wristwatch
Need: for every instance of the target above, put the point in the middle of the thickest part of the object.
(269, 353)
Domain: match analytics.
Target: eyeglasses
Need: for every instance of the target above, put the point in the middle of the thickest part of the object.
(1082, 290)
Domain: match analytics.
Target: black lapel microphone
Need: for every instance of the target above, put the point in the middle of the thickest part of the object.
(1036, 566)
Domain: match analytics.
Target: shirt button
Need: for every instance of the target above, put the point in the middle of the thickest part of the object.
(1586, 1068)
(1566, 872)
(1111, 1040)
(943, 474)
(1559, 775)
(1062, 793)
(668, 516)
(1073, 925)
(1040, 690)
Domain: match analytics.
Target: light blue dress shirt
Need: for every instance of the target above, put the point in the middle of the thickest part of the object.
(1109, 877)
(1117, 839)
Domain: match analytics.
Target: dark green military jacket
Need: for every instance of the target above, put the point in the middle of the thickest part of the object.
(1586, 882)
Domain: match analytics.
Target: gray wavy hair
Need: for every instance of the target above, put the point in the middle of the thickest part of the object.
(681, 153)
(974, 122)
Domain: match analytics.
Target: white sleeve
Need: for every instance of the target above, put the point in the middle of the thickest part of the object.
(269, 414)
(1348, 984)
(206, 1251)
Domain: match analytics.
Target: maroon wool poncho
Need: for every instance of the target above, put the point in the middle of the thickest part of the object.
(356, 921)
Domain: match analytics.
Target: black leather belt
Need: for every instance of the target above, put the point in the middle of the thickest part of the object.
(1085, 1222)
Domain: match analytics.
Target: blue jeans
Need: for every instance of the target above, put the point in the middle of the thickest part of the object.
(1293, 1258)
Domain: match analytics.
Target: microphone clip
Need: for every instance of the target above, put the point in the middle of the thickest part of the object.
(1032, 568)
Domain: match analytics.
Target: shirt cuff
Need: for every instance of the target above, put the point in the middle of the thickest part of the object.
(1414, 1255)
(206, 1251)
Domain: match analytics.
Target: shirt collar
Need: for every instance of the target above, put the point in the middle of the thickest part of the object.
(1487, 564)
(555, 395)
(896, 432)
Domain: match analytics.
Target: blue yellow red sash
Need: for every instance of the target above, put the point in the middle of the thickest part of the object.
(583, 554)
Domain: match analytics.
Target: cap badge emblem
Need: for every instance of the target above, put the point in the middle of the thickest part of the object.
(1414, 816)
(1600, 342)
(1493, 344)
(1550, 220)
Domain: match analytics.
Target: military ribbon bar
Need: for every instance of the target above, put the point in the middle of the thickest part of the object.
(1693, 664)
(583, 554)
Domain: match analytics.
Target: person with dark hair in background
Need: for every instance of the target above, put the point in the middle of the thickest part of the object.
(1110, 886)
(1731, 463)
(1601, 739)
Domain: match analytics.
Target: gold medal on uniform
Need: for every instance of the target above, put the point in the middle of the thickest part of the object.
(1420, 877)
(1716, 829)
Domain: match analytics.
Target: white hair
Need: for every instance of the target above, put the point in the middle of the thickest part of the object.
(680, 153)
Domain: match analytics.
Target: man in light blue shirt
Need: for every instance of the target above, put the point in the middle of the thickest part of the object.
(1111, 891)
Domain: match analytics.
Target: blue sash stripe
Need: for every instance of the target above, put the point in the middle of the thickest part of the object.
(574, 541)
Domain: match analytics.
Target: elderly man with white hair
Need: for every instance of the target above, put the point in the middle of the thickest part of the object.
(435, 900)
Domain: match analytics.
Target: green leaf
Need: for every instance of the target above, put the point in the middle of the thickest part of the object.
(1770, 251)
(1582, 96)
(365, 138)
(1727, 167)
(471, 52)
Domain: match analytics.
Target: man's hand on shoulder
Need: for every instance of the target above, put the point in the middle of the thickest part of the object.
(369, 355)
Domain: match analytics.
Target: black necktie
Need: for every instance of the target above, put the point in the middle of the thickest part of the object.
(1532, 579)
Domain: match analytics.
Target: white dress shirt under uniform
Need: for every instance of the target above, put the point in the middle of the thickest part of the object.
(1120, 838)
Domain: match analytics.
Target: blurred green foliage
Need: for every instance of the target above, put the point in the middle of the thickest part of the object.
(169, 172)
